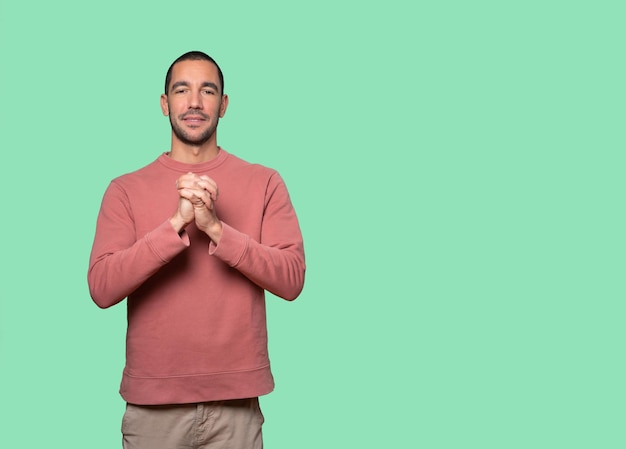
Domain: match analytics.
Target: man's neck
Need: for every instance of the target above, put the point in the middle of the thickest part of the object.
(193, 154)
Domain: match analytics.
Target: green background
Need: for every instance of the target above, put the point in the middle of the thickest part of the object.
(457, 167)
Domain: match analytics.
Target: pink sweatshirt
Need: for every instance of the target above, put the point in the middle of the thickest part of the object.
(196, 311)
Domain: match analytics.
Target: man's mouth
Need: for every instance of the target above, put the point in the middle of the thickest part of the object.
(194, 118)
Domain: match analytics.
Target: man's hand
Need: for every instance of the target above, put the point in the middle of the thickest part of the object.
(197, 197)
(184, 213)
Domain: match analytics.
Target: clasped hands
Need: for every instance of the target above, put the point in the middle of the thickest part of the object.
(197, 196)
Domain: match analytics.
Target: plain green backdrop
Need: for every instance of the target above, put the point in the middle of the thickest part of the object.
(457, 167)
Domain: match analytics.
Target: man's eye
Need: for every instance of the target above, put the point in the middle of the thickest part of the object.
(209, 92)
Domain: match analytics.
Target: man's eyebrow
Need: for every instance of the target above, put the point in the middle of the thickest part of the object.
(186, 84)
(211, 85)
(179, 84)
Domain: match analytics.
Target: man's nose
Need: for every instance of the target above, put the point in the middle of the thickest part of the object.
(195, 100)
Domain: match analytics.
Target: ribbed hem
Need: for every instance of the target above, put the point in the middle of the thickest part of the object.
(196, 388)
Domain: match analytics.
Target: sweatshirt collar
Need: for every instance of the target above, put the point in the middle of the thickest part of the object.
(170, 163)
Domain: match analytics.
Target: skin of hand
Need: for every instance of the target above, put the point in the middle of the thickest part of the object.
(197, 195)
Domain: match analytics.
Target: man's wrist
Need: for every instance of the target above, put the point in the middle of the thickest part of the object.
(214, 232)
(178, 223)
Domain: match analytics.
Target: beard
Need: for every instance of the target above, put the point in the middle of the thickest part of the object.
(185, 138)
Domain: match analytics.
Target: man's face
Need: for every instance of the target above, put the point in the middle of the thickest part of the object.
(194, 102)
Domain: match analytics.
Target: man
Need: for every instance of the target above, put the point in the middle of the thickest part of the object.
(193, 240)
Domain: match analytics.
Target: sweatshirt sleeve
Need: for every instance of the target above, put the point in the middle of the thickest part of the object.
(276, 263)
(120, 262)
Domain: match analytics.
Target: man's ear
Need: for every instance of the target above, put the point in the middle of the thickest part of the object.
(164, 106)
(223, 105)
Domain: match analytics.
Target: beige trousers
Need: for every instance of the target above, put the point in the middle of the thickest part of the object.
(232, 424)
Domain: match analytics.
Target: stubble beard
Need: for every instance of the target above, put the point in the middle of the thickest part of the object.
(186, 139)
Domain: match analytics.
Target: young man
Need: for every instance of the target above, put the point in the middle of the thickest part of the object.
(192, 241)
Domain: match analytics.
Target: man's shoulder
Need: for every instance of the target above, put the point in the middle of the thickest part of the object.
(237, 163)
(139, 173)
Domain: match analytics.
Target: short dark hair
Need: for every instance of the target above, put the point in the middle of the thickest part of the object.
(193, 56)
